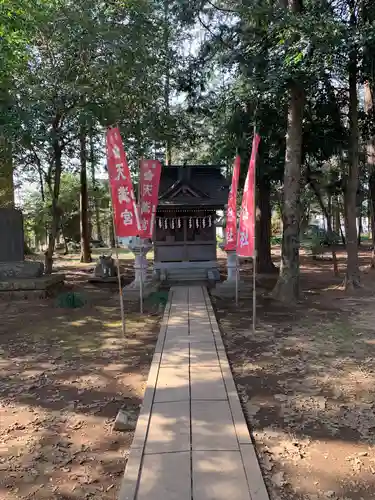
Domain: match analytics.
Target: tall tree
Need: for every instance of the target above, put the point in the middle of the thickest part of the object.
(368, 13)
(85, 62)
(352, 278)
(84, 200)
(287, 286)
(96, 200)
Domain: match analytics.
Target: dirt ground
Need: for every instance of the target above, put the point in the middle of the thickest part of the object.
(306, 378)
(64, 374)
(307, 382)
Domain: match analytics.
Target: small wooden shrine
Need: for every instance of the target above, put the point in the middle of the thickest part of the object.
(185, 230)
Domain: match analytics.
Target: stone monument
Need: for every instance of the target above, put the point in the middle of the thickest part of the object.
(227, 288)
(140, 248)
(19, 277)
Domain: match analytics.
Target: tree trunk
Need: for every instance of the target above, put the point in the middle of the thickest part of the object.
(95, 189)
(57, 153)
(112, 237)
(6, 175)
(337, 218)
(372, 206)
(167, 82)
(66, 249)
(369, 217)
(370, 153)
(360, 229)
(84, 202)
(287, 286)
(342, 211)
(263, 229)
(327, 212)
(352, 278)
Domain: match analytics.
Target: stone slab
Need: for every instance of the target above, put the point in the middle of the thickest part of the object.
(23, 284)
(124, 422)
(141, 429)
(182, 342)
(258, 490)
(129, 484)
(172, 357)
(219, 475)
(39, 283)
(173, 383)
(99, 279)
(203, 355)
(169, 429)
(212, 426)
(23, 269)
(165, 476)
(199, 443)
(12, 235)
(207, 383)
(240, 425)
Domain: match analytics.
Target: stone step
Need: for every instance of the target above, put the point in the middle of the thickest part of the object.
(193, 275)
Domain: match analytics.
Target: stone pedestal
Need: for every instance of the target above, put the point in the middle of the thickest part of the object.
(29, 288)
(140, 249)
(231, 266)
(227, 288)
(21, 278)
(21, 269)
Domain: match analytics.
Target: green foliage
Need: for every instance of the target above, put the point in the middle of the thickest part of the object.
(158, 298)
(276, 240)
(71, 300)
(37, 212)
(315, 239)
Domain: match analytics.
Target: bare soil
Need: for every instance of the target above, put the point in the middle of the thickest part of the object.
(307, 382)
(64, 374)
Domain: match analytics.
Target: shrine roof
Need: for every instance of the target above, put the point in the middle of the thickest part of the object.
(193, 185)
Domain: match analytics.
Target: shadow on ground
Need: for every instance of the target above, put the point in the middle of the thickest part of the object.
(307, 383)
(64, 374)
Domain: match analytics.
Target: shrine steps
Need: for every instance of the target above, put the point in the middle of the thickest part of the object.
(191, 275)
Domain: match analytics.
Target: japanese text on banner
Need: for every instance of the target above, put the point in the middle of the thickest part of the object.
(246, 230)
(150, 171)
(231, 226)
(126, 219)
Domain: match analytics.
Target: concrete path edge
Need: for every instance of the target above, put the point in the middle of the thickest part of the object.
(132, 473)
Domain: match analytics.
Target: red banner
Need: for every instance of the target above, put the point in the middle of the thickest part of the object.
(231, 226)
(150, 171)
(246, 232)
(123, 200)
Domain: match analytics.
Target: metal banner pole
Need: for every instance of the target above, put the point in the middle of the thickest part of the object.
(236, 280)
(254, 240)
(254, 290)
(118, 266)
(141, 284)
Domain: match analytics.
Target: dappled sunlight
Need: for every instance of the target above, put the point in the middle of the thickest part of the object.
(307, 382)
(176, 321)
(314, 467)
(64, 374)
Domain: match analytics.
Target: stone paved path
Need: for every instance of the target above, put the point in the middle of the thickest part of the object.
(191, 440)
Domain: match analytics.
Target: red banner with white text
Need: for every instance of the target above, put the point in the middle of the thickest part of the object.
(246, 230)
(126, 218)
(231, 226)
(150, 171)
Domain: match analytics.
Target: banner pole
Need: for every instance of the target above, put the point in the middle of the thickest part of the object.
(236, 280)
(254, 291)
(118, 265)
(141, 284)
(254, 241)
